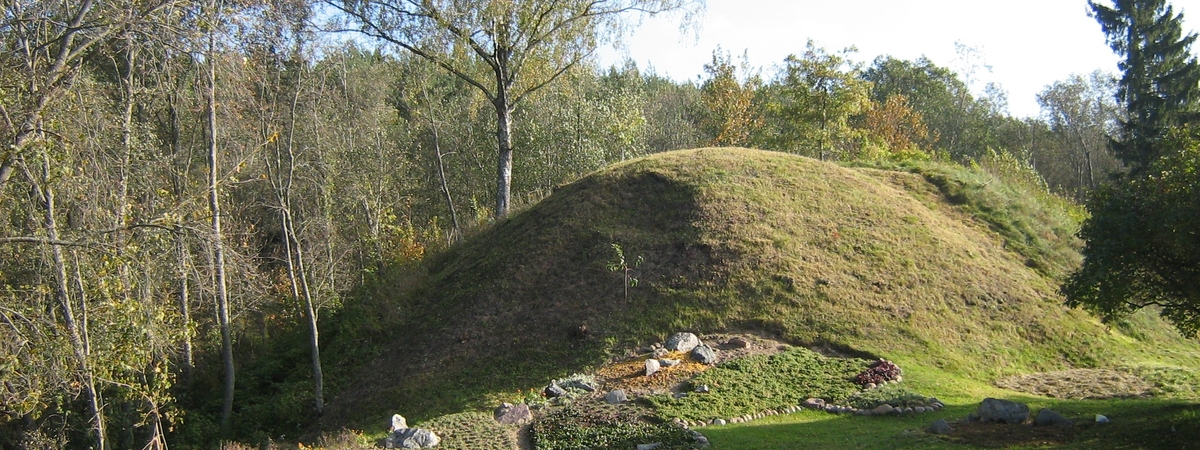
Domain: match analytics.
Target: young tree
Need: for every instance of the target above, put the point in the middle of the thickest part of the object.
(1160, 82)
(507, 50)
(813, 100)
(731, 116)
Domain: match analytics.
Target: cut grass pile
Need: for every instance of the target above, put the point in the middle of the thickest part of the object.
(763, 382)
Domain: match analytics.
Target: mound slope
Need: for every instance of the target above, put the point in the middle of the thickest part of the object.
(816, 254)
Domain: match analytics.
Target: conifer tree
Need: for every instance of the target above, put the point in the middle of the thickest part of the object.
(1160, 85)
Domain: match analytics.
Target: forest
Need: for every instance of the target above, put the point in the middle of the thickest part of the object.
(188, 187)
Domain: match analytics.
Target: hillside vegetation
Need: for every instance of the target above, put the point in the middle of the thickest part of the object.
(943, 269)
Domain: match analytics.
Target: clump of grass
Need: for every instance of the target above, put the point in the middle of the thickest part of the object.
(472, 431)
(758, 383)
(573, 428)
(894, 395)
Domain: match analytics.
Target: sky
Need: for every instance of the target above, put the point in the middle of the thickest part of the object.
(1028, 44)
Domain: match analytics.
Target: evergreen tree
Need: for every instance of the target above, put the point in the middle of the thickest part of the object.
(1161, 82)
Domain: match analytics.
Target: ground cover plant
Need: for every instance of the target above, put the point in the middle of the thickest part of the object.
(572, 428)
(762, 382)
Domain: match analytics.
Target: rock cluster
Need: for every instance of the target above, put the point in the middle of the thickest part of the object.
(402, 436)
(815, 404)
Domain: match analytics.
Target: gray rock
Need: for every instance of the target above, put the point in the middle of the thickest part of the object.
(1002, 411)
(702, 389)
(940, 427)
(616, 396)
(649, 446)
(719, 422)
(652, 366)
(1046, 417)
(679, 395)
(398, 422)
(508, 414)
(554, 390)
(412, 438)
(667, 362)
(738, 342)
(813, 403)
(579, 384)
(919, 409)
(1102, 419)
(883, 409)
(659, 353)
(704, 354)
(682, 342)
(908, 410)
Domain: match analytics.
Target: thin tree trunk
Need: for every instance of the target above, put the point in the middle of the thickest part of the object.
(185, 311)
(62, 294)
(437, 151)
(214, 206)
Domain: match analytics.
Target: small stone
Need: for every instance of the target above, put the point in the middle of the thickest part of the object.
(682, 342)
(883, 409)
(616, 396)
(667, 362)
(718, 422)
(899, 378)
(908, 410)
(1047, 417)
(702, 389)
(870, 386)
(1102, 419)
(940, 427)
(738, 342)
(704, 354)
(554, 390)
(736, 420)
(813, 403)
(652, 366)
(649, 446)
(919, 409)
(659, 353)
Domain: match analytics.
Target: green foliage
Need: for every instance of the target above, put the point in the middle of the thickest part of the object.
(892, 394)
(811, 104)
(1160, 81)
(471, 431)
(1141, 245)
(573, 428)
(757, 383)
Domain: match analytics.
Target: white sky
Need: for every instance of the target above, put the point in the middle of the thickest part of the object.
(1028, 43)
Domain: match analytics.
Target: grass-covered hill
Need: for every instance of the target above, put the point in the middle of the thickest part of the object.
(940, 268)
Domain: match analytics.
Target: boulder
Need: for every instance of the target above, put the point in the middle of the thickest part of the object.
(411, 438)
(1002, 411)
(883, 409)
(554, 390)
(652, 366)
(682, 342)
(940, 427)
(813, 403)
(616, 396)
(508, 414)
(398, 422)
(704, 354)
(1046, 417)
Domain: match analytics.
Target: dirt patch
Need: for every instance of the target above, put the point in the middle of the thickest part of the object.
(995, 435)
(1079, 384)
(629, 372)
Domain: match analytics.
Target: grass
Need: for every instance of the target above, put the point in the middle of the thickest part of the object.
(758, 383)
(942, 269)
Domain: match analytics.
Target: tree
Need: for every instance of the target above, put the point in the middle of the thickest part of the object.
(1142, 246)
(1082, 113)
(897, 125)
(505, 49)
(731, 114)
(1160, 82)
(813, 100)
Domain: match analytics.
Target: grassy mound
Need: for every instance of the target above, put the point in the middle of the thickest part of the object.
(914, 264)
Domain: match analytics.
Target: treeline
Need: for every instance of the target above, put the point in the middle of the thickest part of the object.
(184, 183)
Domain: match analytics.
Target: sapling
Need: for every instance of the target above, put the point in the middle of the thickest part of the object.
(619, 264)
